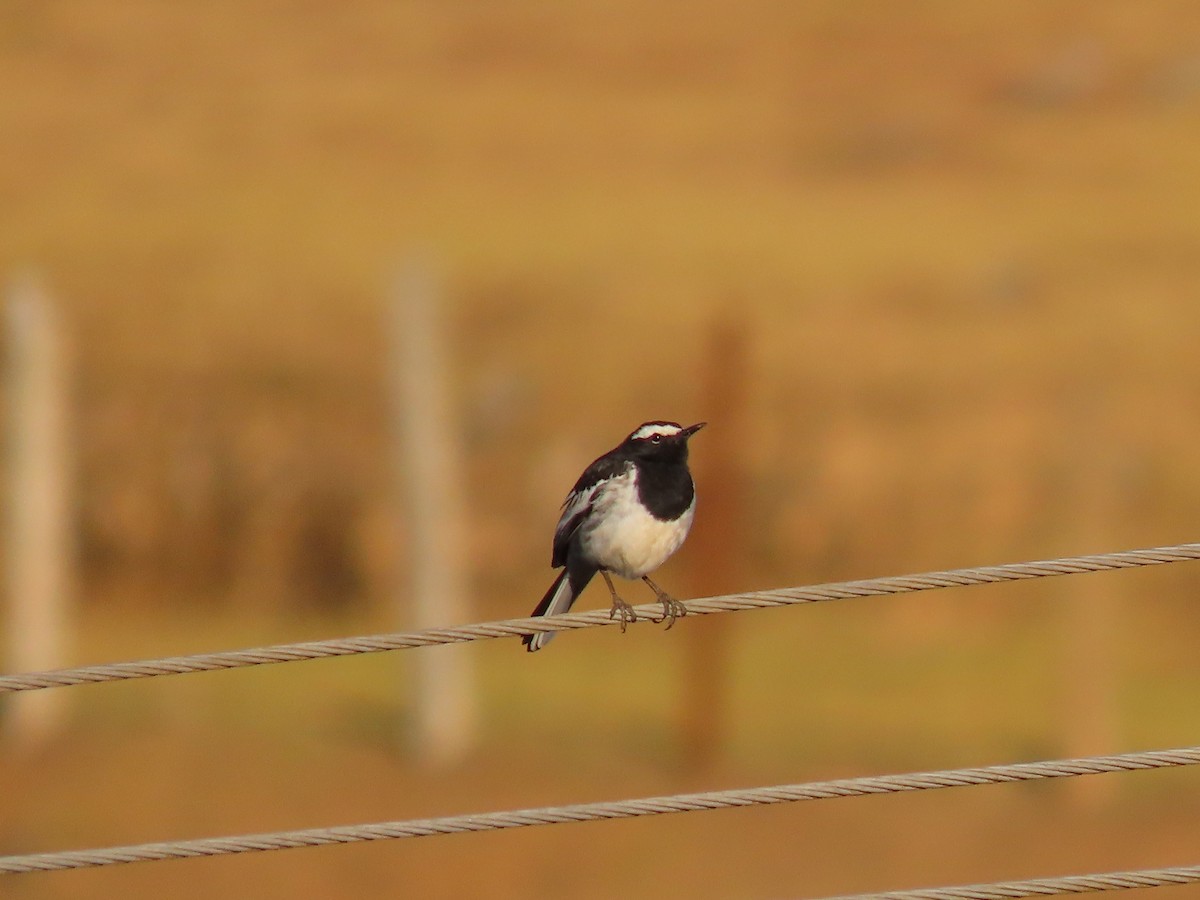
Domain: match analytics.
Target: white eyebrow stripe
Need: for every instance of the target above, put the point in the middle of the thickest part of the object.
(651, 429)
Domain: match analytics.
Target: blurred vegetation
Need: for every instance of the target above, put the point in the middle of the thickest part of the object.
(961, 240)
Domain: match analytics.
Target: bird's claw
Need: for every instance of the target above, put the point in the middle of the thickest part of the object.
(672, 610)
(623, 611)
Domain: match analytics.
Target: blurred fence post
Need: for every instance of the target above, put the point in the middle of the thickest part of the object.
(39, 551)
(429, 458)
(718, 544)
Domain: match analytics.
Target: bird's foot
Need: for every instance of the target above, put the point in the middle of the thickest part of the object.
(672, 609)
(623, 611)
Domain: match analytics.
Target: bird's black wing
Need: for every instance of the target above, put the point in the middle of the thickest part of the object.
(580, 501)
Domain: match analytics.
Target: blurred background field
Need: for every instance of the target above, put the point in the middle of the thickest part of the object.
(960, 243)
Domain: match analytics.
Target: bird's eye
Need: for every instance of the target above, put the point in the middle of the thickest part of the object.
(657, 439)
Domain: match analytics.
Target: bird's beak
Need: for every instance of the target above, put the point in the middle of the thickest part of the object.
(691, 429)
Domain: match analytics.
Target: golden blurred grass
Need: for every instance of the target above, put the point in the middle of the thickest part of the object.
(961, 238)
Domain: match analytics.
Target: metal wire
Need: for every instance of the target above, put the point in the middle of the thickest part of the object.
(281, 653)
(585, 812)
(1043, 887)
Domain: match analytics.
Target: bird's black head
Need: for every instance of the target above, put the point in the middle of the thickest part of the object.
(660, 441)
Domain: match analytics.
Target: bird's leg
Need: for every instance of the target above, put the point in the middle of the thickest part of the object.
(672, 608)
(620, 608)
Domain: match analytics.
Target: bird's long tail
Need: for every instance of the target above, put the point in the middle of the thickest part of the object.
(558, 600)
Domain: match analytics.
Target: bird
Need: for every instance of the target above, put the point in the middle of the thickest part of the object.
(628, 512)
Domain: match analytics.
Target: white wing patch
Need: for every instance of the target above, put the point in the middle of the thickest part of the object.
(577, 503)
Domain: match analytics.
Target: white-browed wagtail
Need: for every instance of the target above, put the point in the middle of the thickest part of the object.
(628, 512)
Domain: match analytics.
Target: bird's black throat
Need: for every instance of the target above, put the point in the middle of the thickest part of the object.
(665, 489)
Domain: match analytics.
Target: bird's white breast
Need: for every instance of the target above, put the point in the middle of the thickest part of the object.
(623, 537)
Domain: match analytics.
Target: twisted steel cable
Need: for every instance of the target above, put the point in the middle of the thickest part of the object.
(281, 653)
(585, 812)
(1044, 887)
